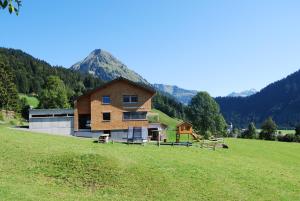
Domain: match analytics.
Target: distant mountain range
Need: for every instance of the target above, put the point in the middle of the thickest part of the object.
(105, 66)
(182, 95)
(243, 93)
(280, 100)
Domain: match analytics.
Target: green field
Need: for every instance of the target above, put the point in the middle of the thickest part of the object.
(283, 132)
(31, 100)
(46, 167)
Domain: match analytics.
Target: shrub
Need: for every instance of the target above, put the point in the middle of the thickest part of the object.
(250, 133)
(267, 136)
(13, 122)
(153, 118)
(287, 138)
(207, 134)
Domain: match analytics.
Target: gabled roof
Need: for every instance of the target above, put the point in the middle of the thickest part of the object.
(139, 85)
(185, 122)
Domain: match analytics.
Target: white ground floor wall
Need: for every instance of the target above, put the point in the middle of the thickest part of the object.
(52, 125)
(118, 135)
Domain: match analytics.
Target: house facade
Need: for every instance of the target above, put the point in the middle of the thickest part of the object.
(118, 108)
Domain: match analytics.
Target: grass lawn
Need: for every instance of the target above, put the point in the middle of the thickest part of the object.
(286, 131)
(283, 132)
(46, 167)
(31, 100)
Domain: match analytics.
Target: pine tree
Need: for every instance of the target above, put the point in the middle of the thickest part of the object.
(8, 91)
(250, 133)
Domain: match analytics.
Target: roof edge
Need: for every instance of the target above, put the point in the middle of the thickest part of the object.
(140, 85)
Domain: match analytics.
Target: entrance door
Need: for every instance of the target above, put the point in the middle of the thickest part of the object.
(84, 121)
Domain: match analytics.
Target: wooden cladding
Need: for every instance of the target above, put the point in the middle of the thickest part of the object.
(126, 103)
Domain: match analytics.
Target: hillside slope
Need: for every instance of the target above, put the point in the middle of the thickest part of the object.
(105, 66)
(31, 73)
(170, 122)
(281, 100)
(49, 168)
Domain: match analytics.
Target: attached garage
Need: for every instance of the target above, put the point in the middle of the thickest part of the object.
(54, 121)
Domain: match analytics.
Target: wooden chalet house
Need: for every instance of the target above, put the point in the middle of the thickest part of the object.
(118, 108)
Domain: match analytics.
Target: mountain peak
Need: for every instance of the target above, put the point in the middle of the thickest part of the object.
(104, 65)
(100, 52)
(243, 93)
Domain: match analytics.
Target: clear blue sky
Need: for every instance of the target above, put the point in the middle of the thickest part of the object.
(212, 45)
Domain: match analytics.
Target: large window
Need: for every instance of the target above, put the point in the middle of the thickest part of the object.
(106, 100)
(106, 116)
(134, 115)
(130, 99)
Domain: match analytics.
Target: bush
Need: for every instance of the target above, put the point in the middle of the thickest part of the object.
(153, 118)
(288, 138)
(207, 135)
(250, 133)
(267, 136)
(13, 122)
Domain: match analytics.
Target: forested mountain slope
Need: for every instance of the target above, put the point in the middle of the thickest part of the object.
(281, 100)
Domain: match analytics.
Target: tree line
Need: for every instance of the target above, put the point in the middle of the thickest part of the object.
(30, 75)
(268, 131)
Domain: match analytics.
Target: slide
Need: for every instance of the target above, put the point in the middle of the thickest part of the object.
(196, 136)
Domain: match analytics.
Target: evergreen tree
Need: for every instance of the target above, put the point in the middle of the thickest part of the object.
(168, 105)
(54, 94)
(269, 129)
(8, 91)
(250, 133)
(204, 113)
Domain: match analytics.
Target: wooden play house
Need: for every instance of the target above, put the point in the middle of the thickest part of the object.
(184, 128)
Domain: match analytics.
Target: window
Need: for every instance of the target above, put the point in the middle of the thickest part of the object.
(126, 99)
(134, 115)
(130, 99)
(134, 99)
(106, 100)
(106, 116)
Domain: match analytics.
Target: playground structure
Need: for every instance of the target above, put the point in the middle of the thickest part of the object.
(186, 128)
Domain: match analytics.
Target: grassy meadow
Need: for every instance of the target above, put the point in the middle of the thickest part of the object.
(47, 167)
